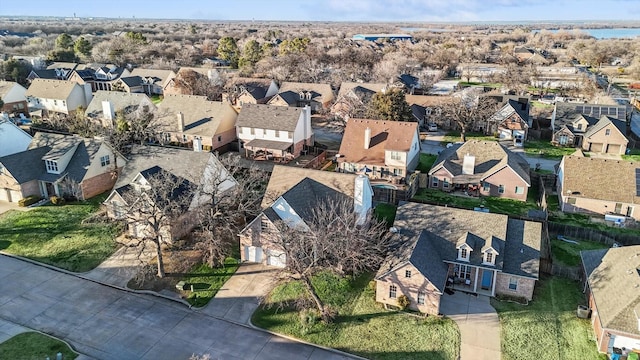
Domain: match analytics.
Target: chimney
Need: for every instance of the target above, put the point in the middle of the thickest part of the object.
(197, 144)
(107, 110)
(468, 164)
(367, 137)
(180, 121)
(362, 197)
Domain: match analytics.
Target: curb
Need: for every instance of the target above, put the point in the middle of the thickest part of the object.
(28, 329)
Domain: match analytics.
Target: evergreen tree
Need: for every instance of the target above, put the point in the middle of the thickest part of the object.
(228, 50)
(390, 105)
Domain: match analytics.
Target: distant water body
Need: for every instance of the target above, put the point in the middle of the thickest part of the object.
(596, 33)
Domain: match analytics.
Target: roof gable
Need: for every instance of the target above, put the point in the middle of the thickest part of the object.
(385, 135)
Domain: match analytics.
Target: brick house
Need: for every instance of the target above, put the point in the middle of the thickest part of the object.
(481, 168)
(511, 122)
(291, 195)
(354, 96)
(241, 91)
(59, 165)
(13, 95)
(196, 169)
(195, 122)
(274, 132)
(317, 96)
(105, 104)
(571, 133)
(598, 186)
(443, 247)
(612, 280)
(607, 136)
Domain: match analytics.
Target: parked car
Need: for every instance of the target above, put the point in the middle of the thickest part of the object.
(432, 127)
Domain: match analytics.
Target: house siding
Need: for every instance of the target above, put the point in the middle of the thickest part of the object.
(410, 287)
(524, 289)
(441, 175)
(615, 143)
(594, 206)
(509, 179)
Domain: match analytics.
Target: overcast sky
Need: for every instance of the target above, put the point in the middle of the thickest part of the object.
(336, 10)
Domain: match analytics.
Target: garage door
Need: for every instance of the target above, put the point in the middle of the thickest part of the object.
(253, 254)
(613, 149)
(276, 258)
(4, 194)
(14, 196)
(595, 147)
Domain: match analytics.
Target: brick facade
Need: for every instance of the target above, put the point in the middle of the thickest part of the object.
(614, 143)
(523, 289)
(594, 206)
(98, 184)
(411, 287)
(253, 235)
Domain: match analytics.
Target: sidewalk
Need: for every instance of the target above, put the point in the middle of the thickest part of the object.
(120, 267)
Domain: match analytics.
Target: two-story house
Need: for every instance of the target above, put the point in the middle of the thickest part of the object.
(442, 247)
(511, 122)
(608, 136)
(61, 96)
(291, 196)
(598, 186)
(241, 91)
(196, 122)
(105, 104)
(274, 132)
(380, 149)
(481, 168)
(101, 78)
(317, 96)
(148, 81)
(60, 165)
(572, 133)
(14, 97)
(353, 97)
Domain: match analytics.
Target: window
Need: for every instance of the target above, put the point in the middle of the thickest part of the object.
(462, 271)
(399, 172)
(445, 183)
(105, 160)
(464, 253)
(421, 296)
(579, 126)
(501, 189)
(563, 140)
(519, 190)
(393, 291)
(55, 102)
(184, 138)
(289, 135)
(395, 155)
(513, 284)
(52, 166)
(219, 138)
(434, 182)
(253, 131)
(486, 186)
(488, 258)
(277, 133)
(607, 132)
(264, 223)
(407, 273)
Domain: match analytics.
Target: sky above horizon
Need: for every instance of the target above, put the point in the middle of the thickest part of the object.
(338, 10)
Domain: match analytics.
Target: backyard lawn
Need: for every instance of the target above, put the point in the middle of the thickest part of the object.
(548, 327)
(56, 235)
(546, 149)
(494, 204)
(426, 161)
(454, 137)
(386, 212)
(362, 326)
(568, 253)
(33, 345)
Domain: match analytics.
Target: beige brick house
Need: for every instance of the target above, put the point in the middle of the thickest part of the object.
(612, 280)
(607, 136)
(443, 247)
(598, 186)
(317, 96)
(481, 168)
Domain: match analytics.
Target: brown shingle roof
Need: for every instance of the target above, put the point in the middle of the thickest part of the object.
(51, 89)
(602, 179)
(385, 135)
(201, 116)
(284, 178)
(614, 281)
(346, 87)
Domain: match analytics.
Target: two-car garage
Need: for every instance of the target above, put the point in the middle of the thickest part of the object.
(10, 195)
(273, 257)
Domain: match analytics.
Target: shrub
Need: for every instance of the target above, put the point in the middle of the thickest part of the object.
(29, 200)
(57, 200)
(403, 302)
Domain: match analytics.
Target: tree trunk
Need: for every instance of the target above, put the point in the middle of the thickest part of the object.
(319, 304)
(463, 132)
(158, 243)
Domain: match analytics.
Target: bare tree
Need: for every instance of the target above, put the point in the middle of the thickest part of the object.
(467, 111)
(334, 239)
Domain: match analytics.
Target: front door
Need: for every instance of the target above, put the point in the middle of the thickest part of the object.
(487, 276)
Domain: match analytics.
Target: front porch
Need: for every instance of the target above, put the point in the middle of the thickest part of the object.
(472, 279)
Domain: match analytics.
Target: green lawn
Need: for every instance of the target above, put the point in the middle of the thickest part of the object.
(362, 326)
(634, 155)
(494, 204)
(546, 149)
(547, 328)
(569, 254)
(474, 83)
(33, 345)
(56, 235)
(454, 137)
(538, 104)
(156, 99)
(426, 162)
(387, 212)
(207, 281)
(582, 220)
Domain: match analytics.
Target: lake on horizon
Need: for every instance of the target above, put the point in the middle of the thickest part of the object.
(611, 33)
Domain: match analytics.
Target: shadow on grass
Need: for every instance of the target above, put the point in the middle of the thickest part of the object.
(4, 244)
(404, 355)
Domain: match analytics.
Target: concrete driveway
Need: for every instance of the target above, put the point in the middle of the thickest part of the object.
(107, 323)
(6, 206)
(240, 296)
(478, 322)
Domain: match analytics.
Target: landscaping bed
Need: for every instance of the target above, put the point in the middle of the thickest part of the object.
(69, 236)
(548, 327)
(33, 345)
(362, 326)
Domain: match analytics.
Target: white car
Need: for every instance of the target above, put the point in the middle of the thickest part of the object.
(432, 127)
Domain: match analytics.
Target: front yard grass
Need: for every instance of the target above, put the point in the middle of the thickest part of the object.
(494, 204)
(548, 327)
(634, 155)
(546, 149)
(362, 326)
(60, 235)
(569, 254)
(33, 345)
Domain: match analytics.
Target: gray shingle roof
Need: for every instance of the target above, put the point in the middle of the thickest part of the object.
(604, 121)
(308, 195)
(320, 92)
(269, 117)
(613, 276)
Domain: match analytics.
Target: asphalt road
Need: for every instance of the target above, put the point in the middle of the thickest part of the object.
(107, 323)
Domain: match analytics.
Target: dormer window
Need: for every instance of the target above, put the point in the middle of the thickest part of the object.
(52, 166)
(309, 96)
(488, 258)
(463, 253)
(301, 95)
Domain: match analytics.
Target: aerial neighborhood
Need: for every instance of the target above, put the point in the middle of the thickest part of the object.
(200, 190)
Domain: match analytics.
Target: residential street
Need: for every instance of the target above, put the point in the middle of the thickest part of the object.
(106, 323)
